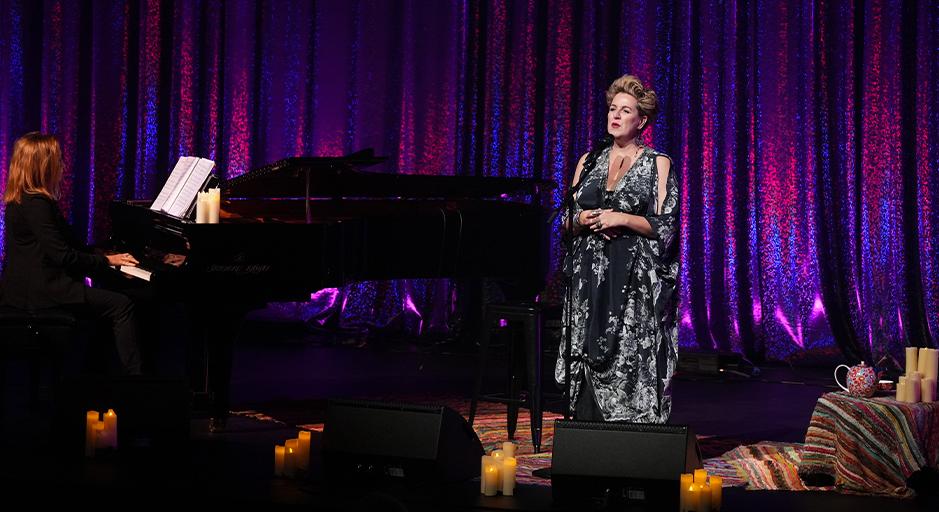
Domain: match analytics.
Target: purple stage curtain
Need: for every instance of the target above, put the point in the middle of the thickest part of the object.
(805, 132)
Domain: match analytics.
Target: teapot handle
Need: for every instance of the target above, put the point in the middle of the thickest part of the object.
(836, 375)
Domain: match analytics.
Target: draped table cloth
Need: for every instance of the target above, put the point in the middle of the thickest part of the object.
(870, 445)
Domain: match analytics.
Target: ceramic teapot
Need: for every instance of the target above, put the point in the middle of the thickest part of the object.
(862, 379)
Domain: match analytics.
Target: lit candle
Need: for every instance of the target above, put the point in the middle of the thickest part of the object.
(110, 429)
(498, 456)
(91, 419)
(491, 475)
(687, 479)
(279, 460)
(716, 484)
(508, 447)
(704, 497)
(912, 354)
(100, 441)
(485, 462)
(691, 498)
(929, 390)
(700, 476)
(303, 449)
(290, 457)
(509, 465)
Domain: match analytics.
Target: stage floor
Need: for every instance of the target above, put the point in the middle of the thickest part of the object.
(287, 375)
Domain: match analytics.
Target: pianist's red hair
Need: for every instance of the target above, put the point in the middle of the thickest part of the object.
(35, 167)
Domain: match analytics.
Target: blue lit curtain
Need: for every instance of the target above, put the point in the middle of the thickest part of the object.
(803, 131)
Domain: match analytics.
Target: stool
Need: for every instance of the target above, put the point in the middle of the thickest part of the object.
(35, 335)
(530, 315)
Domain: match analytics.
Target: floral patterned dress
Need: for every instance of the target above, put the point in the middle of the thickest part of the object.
(624, 328)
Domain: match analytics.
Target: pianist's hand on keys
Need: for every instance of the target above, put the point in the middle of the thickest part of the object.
(122, 260)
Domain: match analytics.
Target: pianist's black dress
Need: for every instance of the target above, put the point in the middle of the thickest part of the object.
(624, 330)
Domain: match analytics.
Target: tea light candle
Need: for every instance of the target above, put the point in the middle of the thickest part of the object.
(303, 449)
(509, 465)
(91, 419)
(717, 491)
(685, 487)
(279, 460)
(929, 390)
(508, 448)
(491, 477)
(912, 354)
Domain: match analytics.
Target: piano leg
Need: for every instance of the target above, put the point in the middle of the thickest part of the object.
(214, 331)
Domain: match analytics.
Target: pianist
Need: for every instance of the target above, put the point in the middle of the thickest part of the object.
(45, 262)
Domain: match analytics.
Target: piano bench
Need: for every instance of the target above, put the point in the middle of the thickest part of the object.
(35, 336)
(530, 315)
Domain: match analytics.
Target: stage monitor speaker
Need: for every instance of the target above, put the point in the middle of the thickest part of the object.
(621, 462)
(377, 440)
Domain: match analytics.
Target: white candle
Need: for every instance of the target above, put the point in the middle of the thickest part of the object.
(290, 457)
(704, 498)
(303, 449)
(484, 463)
(91, 419)
(202, 208)
(932, 366)
(491, 477)
(717, 491)
(508, 447)
(911, 360)
(498, 456)
(110, 429)
(929, 390)
(685, 487)
(901, 389)
(214, 205)
(700, 476)
(279, 460)
(922, 360)
(914, 388)
(509, 466)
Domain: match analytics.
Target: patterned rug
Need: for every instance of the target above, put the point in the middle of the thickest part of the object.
(491, 427)
(769, 466)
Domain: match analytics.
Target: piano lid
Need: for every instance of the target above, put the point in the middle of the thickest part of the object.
(338, 177)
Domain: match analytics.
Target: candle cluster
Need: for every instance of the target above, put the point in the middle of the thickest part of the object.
(919, 383)
(700, 492)
(498, 471)
(100, 433)
(293, 455)
(208, 205)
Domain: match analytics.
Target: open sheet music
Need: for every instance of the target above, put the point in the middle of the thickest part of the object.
(184, 183)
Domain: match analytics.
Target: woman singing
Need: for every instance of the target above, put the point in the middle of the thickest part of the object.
(624, 265)
(45, 262)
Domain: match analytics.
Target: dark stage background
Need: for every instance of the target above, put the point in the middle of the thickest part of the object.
(805, 131)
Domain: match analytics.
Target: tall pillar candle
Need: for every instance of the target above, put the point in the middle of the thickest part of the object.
(922, 360)
(215, 201)
(491, 478)
(914, 388)
(110, 429)
(717, 491)
(509, 466)
(91, 419)
(912, 359)
(303, 449)
(485, 462)
(202, 208)
(704, 497)
(932, 366)
(279, 460)
(508, 448)
(685, 487)
(290, 457)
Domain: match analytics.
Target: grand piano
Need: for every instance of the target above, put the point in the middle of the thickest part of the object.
(299, 225)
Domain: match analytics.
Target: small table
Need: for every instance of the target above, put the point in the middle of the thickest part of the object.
(870, 445)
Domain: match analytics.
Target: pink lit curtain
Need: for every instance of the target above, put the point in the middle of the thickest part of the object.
(805, 132)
